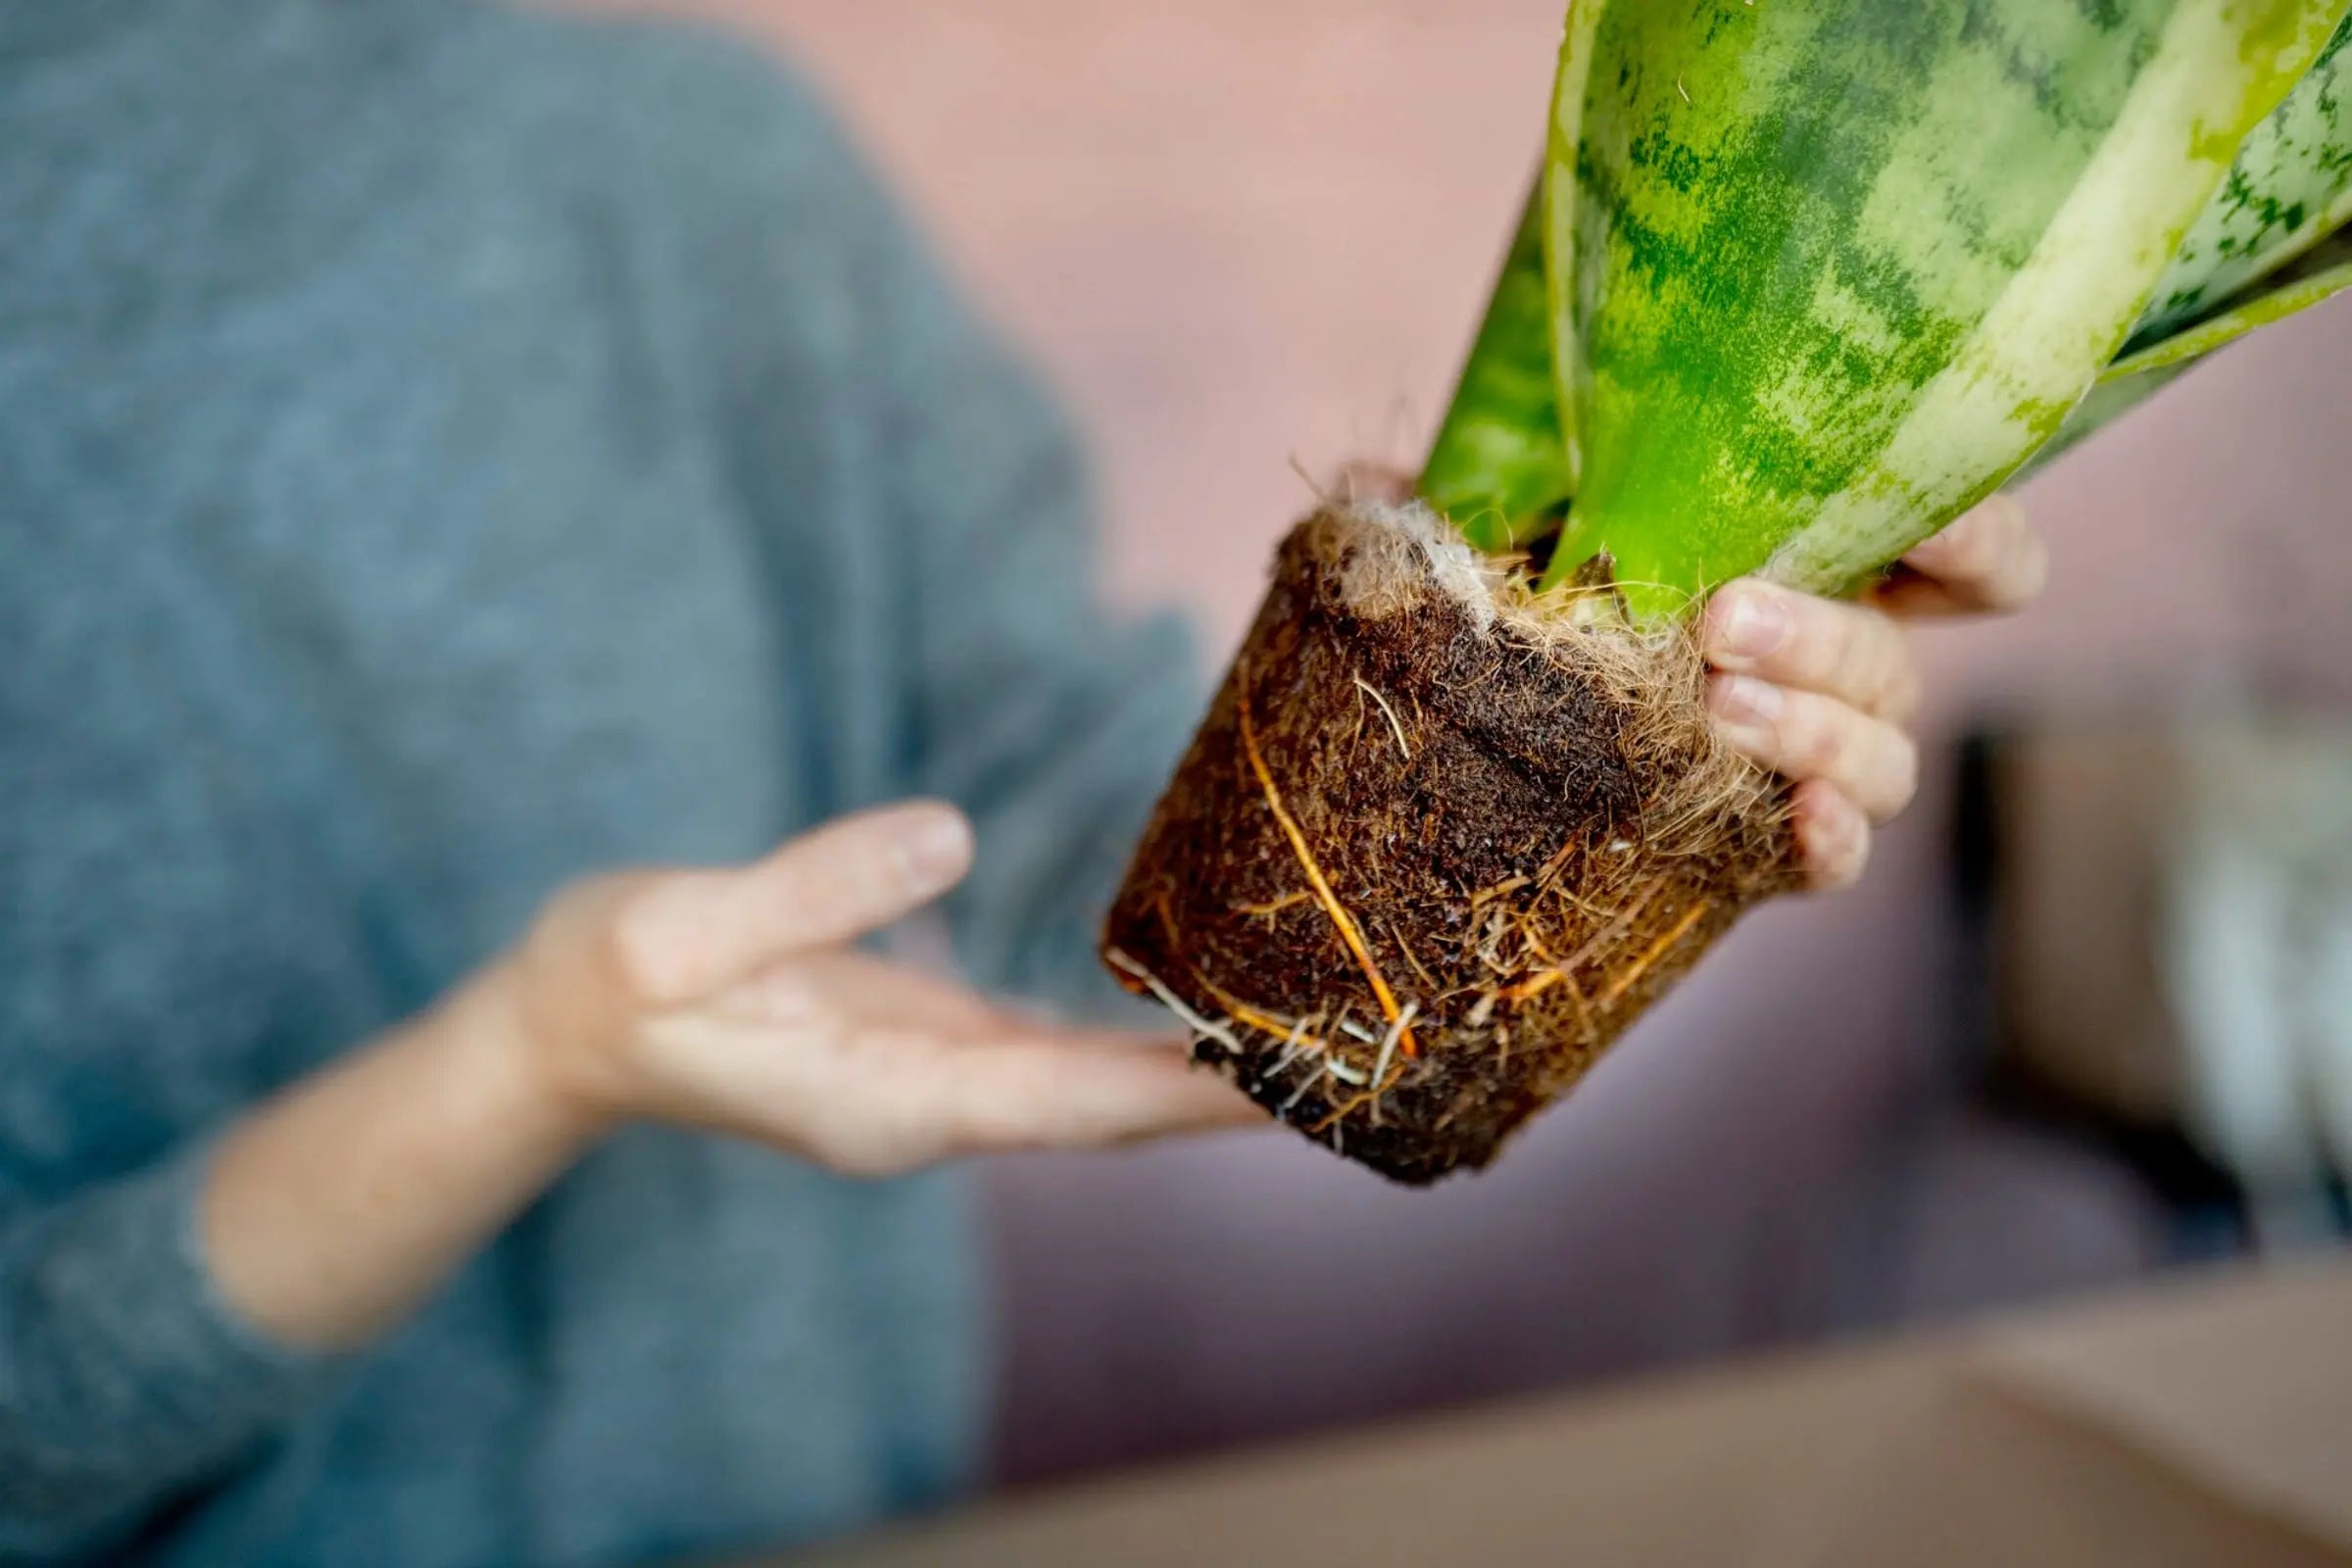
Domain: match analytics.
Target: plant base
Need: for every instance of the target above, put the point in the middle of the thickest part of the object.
(1436, 845)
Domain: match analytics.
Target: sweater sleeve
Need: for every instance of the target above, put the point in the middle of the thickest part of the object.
(1053, 720)
(125, 1380)
(935, 541)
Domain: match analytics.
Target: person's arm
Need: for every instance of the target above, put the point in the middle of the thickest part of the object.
(721, 999)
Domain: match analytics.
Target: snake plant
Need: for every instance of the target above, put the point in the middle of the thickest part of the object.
(1803, 279)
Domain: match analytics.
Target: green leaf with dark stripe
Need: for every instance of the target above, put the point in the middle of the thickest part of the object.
(2290, 188)
(1824, 273)
(2318, 274)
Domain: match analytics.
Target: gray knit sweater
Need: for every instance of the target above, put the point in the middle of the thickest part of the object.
(443, 451)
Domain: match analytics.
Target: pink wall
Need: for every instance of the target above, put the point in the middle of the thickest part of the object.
(1239, 234)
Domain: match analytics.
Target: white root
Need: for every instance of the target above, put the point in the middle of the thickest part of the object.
(1304, 1084)
(1292, 1050)
(1396, 726)
(1388, 1051)
(1387, 1046)
(1175, 1004)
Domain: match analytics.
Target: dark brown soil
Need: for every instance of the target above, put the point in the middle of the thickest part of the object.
(1416, 874)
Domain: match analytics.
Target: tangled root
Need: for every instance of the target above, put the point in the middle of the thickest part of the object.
(1439, 841)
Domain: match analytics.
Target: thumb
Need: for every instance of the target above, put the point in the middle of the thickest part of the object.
(687, 934)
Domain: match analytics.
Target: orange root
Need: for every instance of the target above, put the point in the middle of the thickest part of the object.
(1332, 906)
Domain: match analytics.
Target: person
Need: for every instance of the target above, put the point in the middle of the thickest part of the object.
(474, 483)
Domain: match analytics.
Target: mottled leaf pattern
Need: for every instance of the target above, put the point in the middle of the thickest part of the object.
(2290, 188)
(1834, 270)
(1820, 275)
(2316, 275)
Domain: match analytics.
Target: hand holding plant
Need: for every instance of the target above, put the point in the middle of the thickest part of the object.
(1819, 692)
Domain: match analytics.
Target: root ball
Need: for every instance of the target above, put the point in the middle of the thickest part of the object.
(1437, 843)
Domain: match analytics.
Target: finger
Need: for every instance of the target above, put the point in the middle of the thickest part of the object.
(925, 1097)
(1806, 736)
(1906, 595)
(1847, 652)
(845, 983)
(1989, 561)
(1072, 1091)
(1831, 835)
(687, 934)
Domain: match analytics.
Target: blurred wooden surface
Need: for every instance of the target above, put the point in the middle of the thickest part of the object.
(2203, 1424)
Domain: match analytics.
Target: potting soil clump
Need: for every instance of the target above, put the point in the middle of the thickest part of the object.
(1437, 844)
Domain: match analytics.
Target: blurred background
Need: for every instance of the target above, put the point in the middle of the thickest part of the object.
(1244, 237)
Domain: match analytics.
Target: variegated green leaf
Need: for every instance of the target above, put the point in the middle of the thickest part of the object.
(2318, 274)
(2289, 187)
(1824, 273)
(1501, 465)
(2107, 403)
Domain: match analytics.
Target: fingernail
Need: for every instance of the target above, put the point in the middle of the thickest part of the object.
(1743, 702)
(935, 848)
(1754, 625)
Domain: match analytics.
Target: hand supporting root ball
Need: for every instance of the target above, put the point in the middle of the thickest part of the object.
(729, 999)
(1820, 691)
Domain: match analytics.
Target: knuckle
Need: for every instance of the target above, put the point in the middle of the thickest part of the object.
(2028, 573)
(1965, 554)
(640, 948)
(632, 943)
(1834, 833)
(1902, 774)
(838, 889)
(1979, 539)
(1819, 742)
(1860, 653)
(1898, 693)
(885, 881)
(1846, 855)
(1851, 861)
(1900, 698)
(1818, 643)
(1822, 642)
(583, 905)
